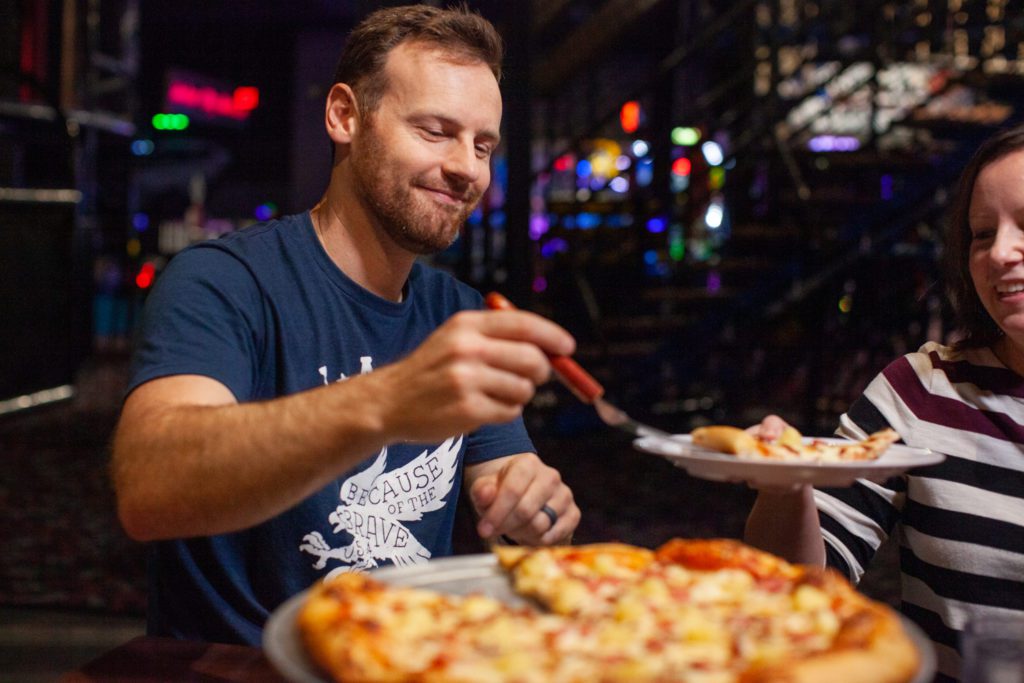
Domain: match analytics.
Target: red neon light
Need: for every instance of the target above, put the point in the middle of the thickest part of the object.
(246, 98)
(563, 163)
(146, 275)
(682, 166)
(629, 116)
(207, 100)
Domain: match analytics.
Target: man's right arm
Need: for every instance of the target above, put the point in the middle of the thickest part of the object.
(189, 460)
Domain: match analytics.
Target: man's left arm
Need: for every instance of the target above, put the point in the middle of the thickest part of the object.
(520, 497)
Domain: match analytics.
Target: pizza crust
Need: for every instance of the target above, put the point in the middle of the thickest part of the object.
(886, 656)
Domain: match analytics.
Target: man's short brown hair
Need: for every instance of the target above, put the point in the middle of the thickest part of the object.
(460, 33)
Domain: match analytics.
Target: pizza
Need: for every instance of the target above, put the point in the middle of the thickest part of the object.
(791, 445)
(697, 611)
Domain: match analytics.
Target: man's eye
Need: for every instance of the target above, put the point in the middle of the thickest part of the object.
(484, 150)
(982, 235)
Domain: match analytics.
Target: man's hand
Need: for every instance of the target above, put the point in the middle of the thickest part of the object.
(519, 497)
(479, 367)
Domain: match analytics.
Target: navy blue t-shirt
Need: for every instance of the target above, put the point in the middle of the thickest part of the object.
(267, 313)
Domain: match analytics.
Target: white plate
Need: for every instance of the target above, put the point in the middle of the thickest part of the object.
(708, 464)
(458, 576)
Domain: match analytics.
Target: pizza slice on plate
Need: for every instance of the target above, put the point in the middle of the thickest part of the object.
(792, 446)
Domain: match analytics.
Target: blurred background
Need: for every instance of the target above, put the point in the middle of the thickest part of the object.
(735, 207)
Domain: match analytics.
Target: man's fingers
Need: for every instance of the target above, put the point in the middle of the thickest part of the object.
(563, 530)
(522, 326)
(523, 489)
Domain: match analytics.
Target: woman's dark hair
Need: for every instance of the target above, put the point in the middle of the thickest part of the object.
(458, 32)
(974, 321)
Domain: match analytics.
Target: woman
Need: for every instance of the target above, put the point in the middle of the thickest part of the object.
(959, 524)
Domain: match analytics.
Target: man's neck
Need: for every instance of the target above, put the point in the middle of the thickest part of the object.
(361, 250)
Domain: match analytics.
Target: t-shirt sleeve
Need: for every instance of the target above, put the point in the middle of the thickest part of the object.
(856, 520)
(205, 317)
(496, 441)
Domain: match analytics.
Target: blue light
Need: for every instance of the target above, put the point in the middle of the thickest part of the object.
(587, 220)
(886, 189)
(477, 217)
(656, 225)
(583, 168)
(619, 184)
(141, 148)
(140, 222)
(497, 219)
(553, 246)
(650, 257)
(644, 173)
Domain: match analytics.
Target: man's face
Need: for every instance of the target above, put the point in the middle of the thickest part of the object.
(421, 160)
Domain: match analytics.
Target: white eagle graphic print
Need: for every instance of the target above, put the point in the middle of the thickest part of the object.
(374, 504)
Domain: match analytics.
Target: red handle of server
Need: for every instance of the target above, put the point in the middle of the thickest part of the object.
(579, 381)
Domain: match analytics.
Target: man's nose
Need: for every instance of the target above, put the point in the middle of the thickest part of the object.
(461, 162)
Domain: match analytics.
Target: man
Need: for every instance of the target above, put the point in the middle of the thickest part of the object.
(306, 398)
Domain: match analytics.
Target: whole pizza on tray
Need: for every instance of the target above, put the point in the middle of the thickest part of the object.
(701, 611)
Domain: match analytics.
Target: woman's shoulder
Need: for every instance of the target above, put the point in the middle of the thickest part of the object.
(938, 356)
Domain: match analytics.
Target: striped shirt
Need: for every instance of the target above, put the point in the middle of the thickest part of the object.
(959, 524)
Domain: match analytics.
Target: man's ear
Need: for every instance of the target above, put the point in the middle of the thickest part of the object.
(342, 114)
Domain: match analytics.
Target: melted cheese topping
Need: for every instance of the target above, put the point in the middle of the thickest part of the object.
(613, 619)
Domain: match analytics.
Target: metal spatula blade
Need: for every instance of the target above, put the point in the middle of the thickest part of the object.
(583, 385)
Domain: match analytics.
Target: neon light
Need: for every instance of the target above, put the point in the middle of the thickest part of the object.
(886, 189)
(714, 282)
(833, 143)
(716, 178)
(245, 98)
(629, 116)
(209, 100)
(170, 121)
(265, 211)
(563, 163)
(685, 137)
(656, 225)
(141, 148)
(714, 215)
(640, 148)
(553, 247)
(682, 166)
(713, 152)
(147, 273)
(539, 225)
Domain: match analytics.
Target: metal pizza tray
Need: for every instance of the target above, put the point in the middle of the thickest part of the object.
(461, 575)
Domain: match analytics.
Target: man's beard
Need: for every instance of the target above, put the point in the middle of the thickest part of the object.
(413, 221)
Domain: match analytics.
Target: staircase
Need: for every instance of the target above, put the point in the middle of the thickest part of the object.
(844, 131)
